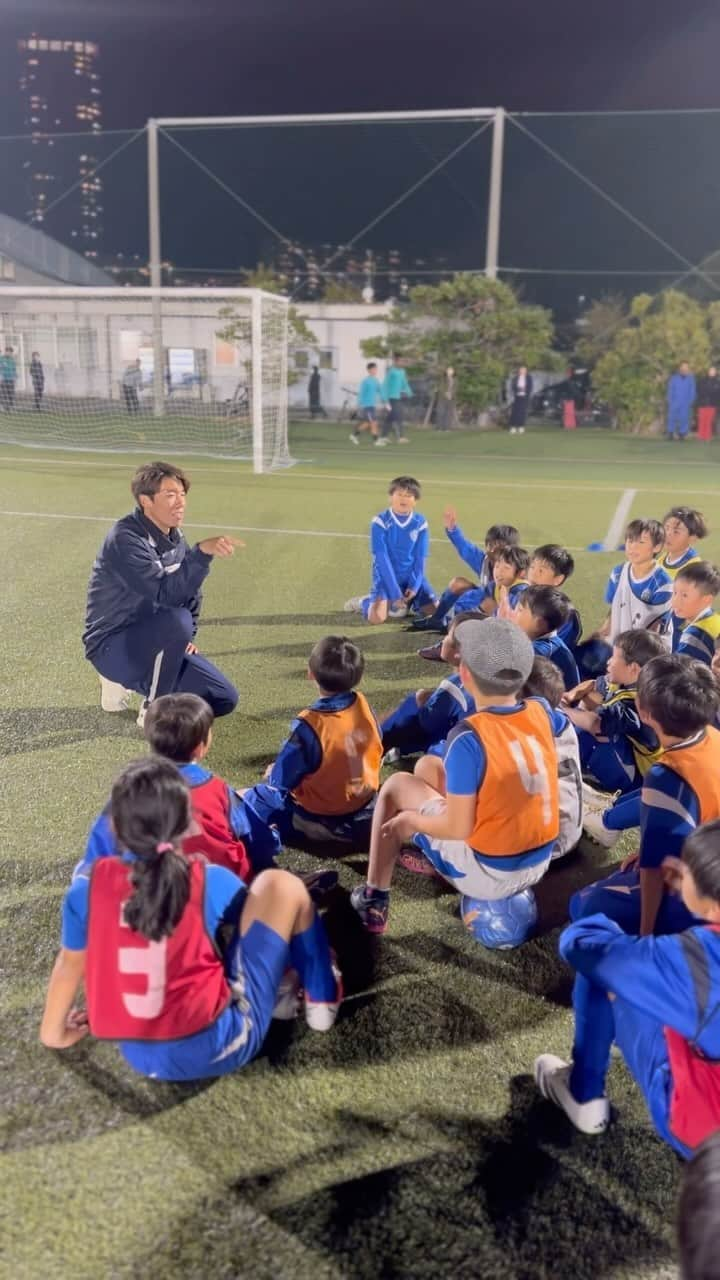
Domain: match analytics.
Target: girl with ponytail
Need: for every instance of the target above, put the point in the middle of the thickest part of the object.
(142, 932)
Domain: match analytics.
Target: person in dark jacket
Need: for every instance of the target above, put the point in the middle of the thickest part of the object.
(708, 402)
(37, 377)
(316, 409)
(144, 598)
(522, 389)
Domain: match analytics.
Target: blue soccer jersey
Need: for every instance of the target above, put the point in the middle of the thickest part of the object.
(673, 567)
(552, 647)
(571, 630)
(698, 639)
(636, 603)
(399, 546)
(474, 556)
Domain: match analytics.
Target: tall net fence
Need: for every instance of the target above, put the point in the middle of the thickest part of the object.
(197, 372)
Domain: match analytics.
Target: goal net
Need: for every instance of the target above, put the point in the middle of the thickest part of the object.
(200, 371)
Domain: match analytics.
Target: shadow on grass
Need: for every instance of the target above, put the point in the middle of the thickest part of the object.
(28, 729)
(272, 620)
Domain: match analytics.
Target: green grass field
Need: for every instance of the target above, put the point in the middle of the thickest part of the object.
(410, 1141)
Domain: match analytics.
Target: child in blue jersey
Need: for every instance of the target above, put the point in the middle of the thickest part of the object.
(178, 726)
(146, 935)
(658, 999)
(491, 830)
(324, 782)
(540, 612)
(479, 559)
(616, 746)
(639, 592)
(424, 719)
(399, 545)
(370, 399)
(679, 700)
(696, 629)
(683, 527)
(499, 597)
(550, 566)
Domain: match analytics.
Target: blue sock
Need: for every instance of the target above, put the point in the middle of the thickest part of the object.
(310, 956)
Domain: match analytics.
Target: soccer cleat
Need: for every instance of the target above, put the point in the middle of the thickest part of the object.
(353, 438)
(400, 612)
(595, 828)
(392, 756)
(140, 722)
(287, 997)
(427, 624)
(372, 906)
(552, 1077)
(320, 1015)
(413, 860)
(319, 884)
(114, 697)
(353, 605)
(432, 653)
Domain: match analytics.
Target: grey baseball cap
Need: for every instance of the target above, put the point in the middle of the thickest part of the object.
(497, 653)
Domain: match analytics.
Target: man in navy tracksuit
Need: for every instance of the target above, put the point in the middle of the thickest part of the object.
(144, 600)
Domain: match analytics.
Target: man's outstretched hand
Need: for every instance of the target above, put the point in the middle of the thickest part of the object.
(223, 546)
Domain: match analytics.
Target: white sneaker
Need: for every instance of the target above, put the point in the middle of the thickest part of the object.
(552, 1077)
(353, 438)
(380, 442)
(320, 1015)
(114, 697)
(392, 756)
(521, 431)
(513, 431)
(594, 799)
(140, 722)
(287, 997)
(595, 828)
(353, 605)
(401, 612)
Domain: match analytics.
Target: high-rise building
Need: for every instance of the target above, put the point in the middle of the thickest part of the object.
(60, 87)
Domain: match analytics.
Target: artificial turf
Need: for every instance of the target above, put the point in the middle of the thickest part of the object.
(409, 1142)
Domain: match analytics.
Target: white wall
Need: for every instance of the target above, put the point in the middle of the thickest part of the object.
(339, 329)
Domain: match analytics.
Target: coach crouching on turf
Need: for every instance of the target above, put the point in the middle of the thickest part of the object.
(144, 600)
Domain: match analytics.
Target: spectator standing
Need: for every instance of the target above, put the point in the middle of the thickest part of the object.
(8, 378)
(131, 383)
(708, 401)
(681, 392)
(37, 377)
(316, 409)
(396, 388)
(522, 389)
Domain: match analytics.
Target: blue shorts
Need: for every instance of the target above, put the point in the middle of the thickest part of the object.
(254, 964)
(276, 808)
(618, 898)
(425, 594)
(370, 415)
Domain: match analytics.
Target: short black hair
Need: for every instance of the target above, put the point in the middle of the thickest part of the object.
(150, 475)
(701, 852)
(176, 724)
(518, 557)
(405, 482)
(693, 520)
(680, 695)
(557, 557)
(698, 1213)
(506, 534)
(469, 615)
(639, 646)
(545, 681)
(372, 364)
(548, 603)
(703, 575)
(637, 528)
(337, 664)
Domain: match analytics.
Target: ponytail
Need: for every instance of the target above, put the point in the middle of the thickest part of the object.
(150, 807)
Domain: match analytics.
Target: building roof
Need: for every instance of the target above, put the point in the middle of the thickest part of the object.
(27, 247)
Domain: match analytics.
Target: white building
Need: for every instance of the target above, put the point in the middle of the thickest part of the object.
(339, 329)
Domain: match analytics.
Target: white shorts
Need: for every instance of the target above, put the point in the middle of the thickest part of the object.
(460, 865)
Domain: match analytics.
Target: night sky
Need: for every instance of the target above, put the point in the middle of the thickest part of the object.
(280, 56)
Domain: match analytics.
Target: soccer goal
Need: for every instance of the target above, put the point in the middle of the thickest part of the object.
(197, 371)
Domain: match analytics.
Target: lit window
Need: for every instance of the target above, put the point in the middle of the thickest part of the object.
(56, 46)
(42, 46)
(78, 47)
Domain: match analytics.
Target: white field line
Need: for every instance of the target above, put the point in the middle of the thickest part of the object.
(222, 528)
(619, 520)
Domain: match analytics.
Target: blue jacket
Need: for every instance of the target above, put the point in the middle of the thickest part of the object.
(681, 391)
(137, 571)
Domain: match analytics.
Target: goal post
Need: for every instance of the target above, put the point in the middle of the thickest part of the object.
(79, 370)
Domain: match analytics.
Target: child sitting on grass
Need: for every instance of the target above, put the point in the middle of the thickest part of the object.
(324, 782)
(683, 526)
(657, 999)
(492, 830)
(696, 628)
(479, 559)
(551, 566)
(143, 932)
(510, 565)
(679, 700)
(399, 546)
(545, 681)
(540, 612)
(424, 719)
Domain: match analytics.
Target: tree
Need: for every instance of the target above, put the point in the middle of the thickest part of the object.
(601, 322)
(660, 332)
(478, 326)
(341, 291)
(236, 331)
